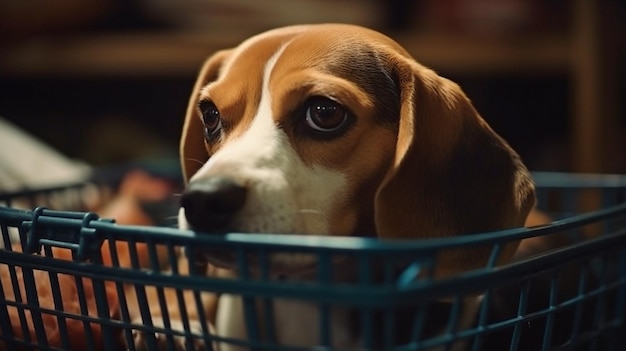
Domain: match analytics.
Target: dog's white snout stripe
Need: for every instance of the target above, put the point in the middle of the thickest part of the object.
(257, 147)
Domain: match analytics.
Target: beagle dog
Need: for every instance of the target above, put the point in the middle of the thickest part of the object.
(336, 130)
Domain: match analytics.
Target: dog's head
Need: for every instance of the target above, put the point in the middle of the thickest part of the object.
(336, 130)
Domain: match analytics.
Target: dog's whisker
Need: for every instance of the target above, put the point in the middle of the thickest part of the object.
(195, 160)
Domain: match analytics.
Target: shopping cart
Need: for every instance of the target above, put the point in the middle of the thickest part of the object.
(570, 298)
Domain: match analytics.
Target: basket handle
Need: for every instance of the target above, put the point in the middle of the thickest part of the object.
(64, 229)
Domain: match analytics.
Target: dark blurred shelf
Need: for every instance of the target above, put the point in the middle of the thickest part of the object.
(180, 54)
(126, 55)
(464, 55)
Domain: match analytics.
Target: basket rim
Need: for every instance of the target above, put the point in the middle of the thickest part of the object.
(108, 229)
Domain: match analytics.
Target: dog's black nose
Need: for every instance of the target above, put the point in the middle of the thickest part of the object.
(211, 203)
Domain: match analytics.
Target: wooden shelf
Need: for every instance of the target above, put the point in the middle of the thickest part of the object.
(180, 54)
(483, 56)
(125, 55)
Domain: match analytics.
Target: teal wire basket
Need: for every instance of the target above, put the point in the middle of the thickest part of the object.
(570, 298)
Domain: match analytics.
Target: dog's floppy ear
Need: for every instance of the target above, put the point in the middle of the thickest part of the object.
(193, 153)
(452, 174)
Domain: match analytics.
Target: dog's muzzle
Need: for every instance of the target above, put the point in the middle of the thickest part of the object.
(211, 203)
(210, 206)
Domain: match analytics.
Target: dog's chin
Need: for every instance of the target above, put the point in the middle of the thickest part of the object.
(283, 266)
(277, 265)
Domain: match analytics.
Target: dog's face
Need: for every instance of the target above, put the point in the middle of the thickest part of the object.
(335, 130)
(306, 123)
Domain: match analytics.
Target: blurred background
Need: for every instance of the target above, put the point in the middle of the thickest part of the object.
(107, 82)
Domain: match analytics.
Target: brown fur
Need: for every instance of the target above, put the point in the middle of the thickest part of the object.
(437, 158)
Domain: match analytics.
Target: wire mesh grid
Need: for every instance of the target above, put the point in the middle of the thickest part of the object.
(74, 281)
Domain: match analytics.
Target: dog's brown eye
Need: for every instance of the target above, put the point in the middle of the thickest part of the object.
(211, 119)
(325, 115)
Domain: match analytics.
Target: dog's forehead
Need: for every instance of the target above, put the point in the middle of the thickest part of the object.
(353, 53)
(305, 46)
(243, 71)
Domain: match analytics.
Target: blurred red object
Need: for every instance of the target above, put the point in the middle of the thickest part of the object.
(69, 289)
(125, 208)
